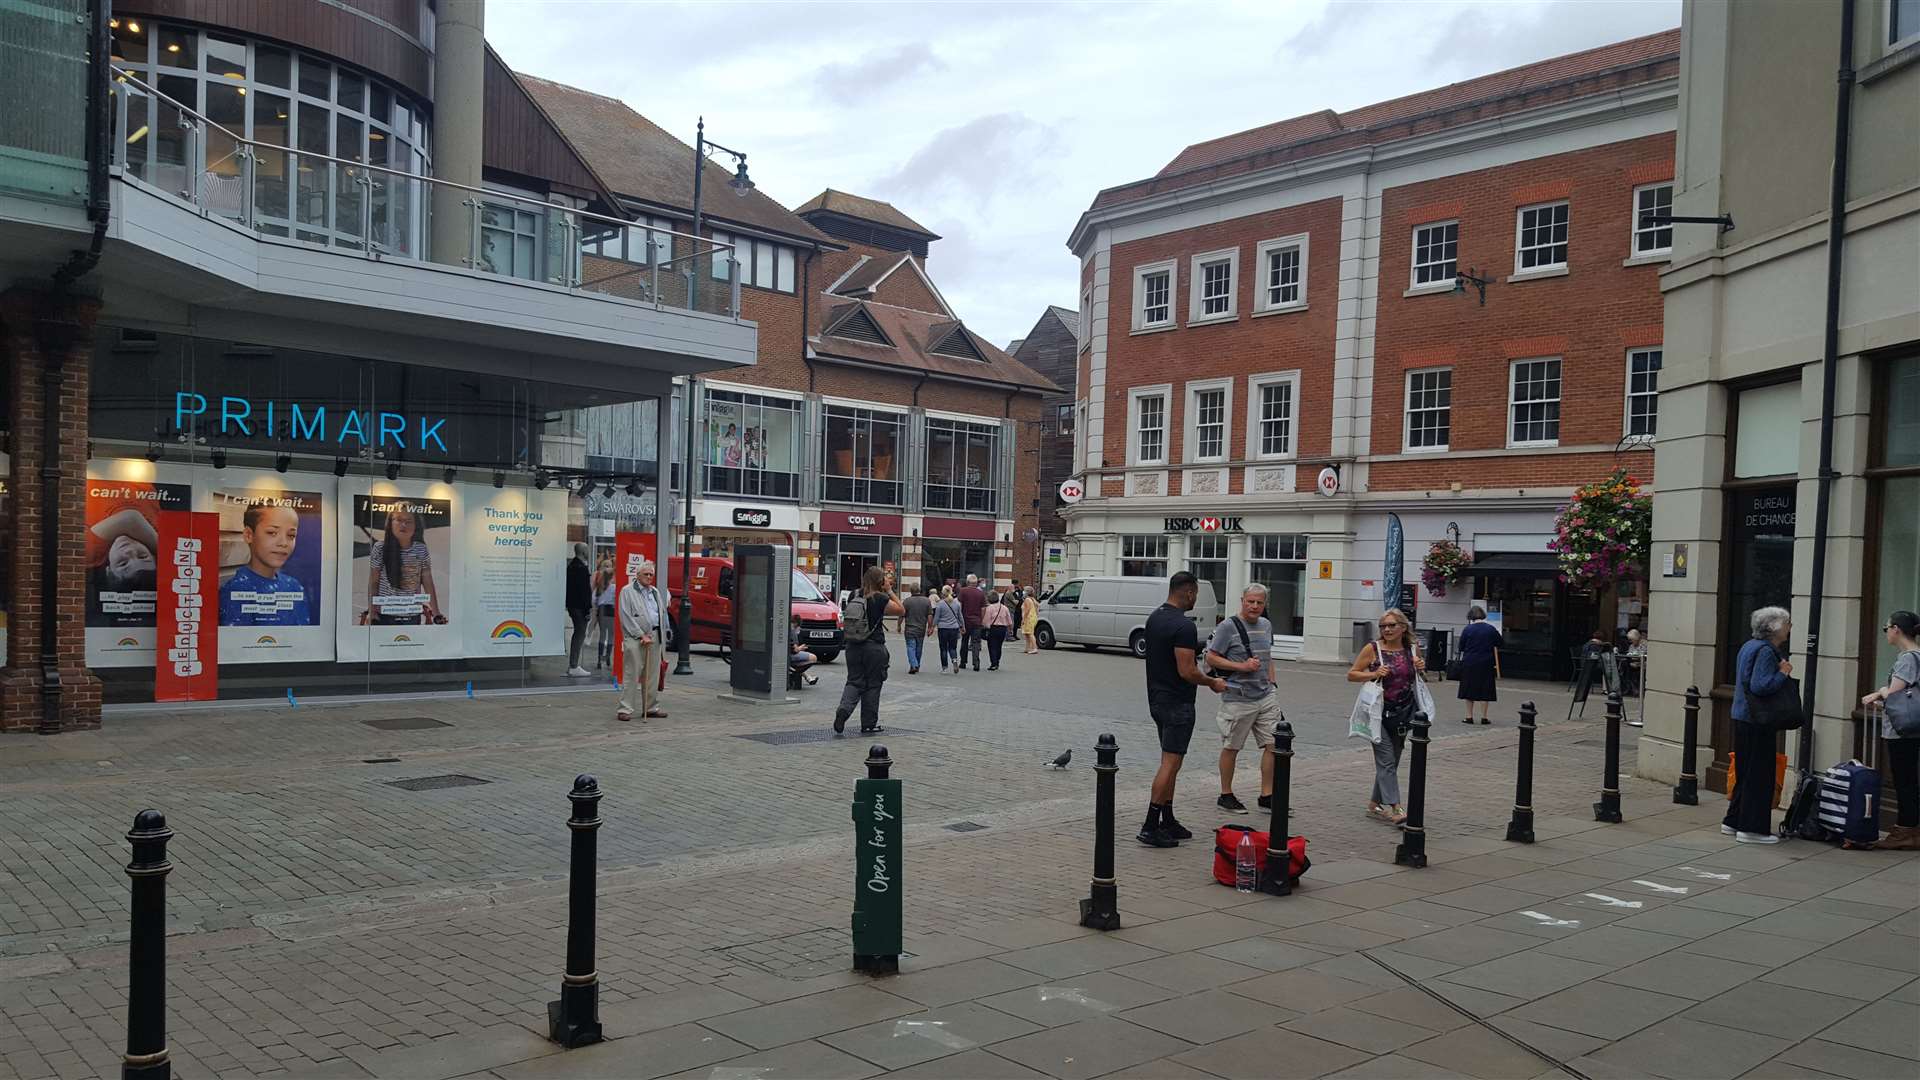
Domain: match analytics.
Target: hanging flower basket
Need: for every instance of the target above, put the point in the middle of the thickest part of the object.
(1446, 564)
(1605, 535)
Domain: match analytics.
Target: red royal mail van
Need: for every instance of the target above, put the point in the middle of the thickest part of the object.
(822, 629)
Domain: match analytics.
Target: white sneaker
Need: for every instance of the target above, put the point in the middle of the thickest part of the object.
(1756, 838)
(577, 672)
(1727, 830)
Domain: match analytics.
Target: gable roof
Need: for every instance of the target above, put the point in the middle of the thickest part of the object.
(910, 338)
(859, 206)
(643, 162)
(1068, 317)
(520, 138)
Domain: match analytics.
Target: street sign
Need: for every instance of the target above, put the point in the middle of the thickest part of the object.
(1071, 491)
(877, 879)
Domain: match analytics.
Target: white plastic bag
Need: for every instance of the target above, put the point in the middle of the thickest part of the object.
(1367, 708)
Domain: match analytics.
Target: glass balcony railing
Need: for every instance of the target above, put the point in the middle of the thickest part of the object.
(376, 211)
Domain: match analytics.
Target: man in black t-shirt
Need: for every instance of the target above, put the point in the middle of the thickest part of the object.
(1173, 643)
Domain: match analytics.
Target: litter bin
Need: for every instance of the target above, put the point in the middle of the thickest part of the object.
(1439, 646)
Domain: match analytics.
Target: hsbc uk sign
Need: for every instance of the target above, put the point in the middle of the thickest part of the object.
(1203, 524)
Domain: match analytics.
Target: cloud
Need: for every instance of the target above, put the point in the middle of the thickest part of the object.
(852, 83)
(975, 159)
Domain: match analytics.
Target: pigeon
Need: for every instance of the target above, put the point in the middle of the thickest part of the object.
(1061, 761)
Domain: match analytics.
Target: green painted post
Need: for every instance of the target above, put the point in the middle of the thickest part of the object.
(878, 882)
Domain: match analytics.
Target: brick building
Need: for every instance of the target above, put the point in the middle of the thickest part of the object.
(874, 427)
(1051, 348)
(1295, 299)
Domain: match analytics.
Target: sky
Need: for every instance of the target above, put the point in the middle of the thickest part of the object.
(993, 124)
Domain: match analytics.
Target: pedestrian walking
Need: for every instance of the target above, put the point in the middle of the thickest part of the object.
(606, 591)
(973, 604)
(995, 623)
(1029, 619)
(867, 656)
(579, 606)
(914, 625)
(1393, 661)
(1760, 671)
(1903, 633)
(1012, 597)
(949, 622)
(1479, 664)
(1242, 646)
(1173, 650)
(642, 606)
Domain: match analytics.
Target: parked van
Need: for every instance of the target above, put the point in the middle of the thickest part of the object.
(822, 628)
(1096, 611)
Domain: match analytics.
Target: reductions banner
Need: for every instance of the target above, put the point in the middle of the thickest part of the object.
(629, 550)
(396, 597)
(124, 542)
(276, 579)
(189, 670)
(515, 571)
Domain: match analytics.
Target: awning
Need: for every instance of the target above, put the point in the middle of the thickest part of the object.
(1517, 564)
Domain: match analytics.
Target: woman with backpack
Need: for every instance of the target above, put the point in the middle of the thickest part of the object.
(1394, 662)
(867, 654)
(1903, 633)
(948, 621)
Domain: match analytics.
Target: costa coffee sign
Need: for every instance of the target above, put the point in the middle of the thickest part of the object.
(1203, 524)
(752, 517)
(835, 521)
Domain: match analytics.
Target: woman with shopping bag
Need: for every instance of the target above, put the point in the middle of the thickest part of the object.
(1390, 666)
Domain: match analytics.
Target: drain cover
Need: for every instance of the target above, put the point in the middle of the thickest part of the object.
(434, 783)
(964, 826)
(405, 723)
(795, 738)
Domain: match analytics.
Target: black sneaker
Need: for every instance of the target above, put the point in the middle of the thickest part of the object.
(1157, 838)
(1175, 829)
(839, 723)
(1266, 802)
(1231, 804)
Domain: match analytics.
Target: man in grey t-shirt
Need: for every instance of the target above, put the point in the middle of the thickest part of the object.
(914, 625)
(1242, 649)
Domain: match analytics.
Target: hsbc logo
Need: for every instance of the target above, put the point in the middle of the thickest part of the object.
(1203, 524)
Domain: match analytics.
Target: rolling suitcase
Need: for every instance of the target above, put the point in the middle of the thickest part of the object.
(1850, 804)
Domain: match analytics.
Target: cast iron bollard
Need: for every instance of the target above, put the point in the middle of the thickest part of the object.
(877, 877)
(1608, 808)
(1520, 829)
(1276, 877)
(574, 1020)
(146, 1057)
(1687, 791)
(1413, 835)
(1101, 909)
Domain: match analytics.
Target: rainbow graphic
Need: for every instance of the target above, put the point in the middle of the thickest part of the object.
(401, 637)
(513, 630)
(266, 639)
(128, 641)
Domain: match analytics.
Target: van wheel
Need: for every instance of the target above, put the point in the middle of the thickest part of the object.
(826, 656)
(1043, 636)
(1138, 644)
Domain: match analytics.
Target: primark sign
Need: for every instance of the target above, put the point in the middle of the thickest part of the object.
(1203, 524)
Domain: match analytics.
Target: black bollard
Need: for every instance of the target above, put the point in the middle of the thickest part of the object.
(1101, 909)
(1413, 835)
(878, 825)
(574, 1020)
(146, 1057)
(1687, 791)
(1520, 829)
(1608, 808)
(1276, 877)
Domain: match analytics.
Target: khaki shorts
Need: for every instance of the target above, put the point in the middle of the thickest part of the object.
(1236, 718)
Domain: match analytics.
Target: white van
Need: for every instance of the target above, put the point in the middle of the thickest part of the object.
(1096, 611)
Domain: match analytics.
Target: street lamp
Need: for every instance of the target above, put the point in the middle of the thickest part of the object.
(741, 183)
(1461, 281)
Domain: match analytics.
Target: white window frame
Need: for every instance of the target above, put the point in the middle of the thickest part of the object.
(1140, 274)
(1255, 385)
(1163, 391)
(1262, 303)
(1634, 250)
(1195, 274)
(1407, 411)
(1519, 229)
(1513, 372)
(1190, 423)
(1084, 332)
(1886, 31)
(1626, 411)
(1414, 284)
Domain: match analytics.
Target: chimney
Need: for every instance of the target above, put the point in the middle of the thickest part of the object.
(459, 92)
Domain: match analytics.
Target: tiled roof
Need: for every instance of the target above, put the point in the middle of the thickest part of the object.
(913, 334)
(1068, 317)
(866, 275)
(641, 161)
(859, 206)
(1608, 67)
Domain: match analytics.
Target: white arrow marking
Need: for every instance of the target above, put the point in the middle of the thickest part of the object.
(1611, 901)
(1707, 875)
(1073, 996)
(1547, 920)
(1672, 890)
(933, 1031)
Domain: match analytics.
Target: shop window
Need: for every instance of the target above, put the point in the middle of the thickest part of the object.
(1896, 494)
(862, 449)
(1759, 560)
(1207, 560)
(752, 445)
(509, 241)
(1143, 555)
(963, 466)
(1279, 561)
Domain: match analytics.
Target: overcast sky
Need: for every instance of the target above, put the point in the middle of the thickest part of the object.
(995, 124)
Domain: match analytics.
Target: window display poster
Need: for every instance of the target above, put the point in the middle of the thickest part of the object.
(275, 581)
(188, 667)
(750, 436)
(123, 545)
(515, 555)
(396, 602)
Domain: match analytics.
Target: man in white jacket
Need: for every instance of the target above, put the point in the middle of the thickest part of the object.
(641, 614)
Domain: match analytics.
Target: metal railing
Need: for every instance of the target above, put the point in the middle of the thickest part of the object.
(376, 211)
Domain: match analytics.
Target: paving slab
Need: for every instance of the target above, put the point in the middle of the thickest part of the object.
(1527, 975)
(1193, 932)
(1884, 1027)
(1303, 991)
(651, 1012)
(1363, 968)
(1748, 946)
(1688, 975)
(1163, 1069)
(1089, 1048)
(910, 1040)
(1810, 924)
(1065, 959)
(765, 988)
(807, 1060)
(1266, 953)
(1548, 921)
(1271, 1052)
(1350, 1027)
(1770, 1008)
(1842, 1059)
(639, 1057)
(1556, 1043)
(1467, 945)
(1204, 1017)
(1407, 967)
(1602, 1010)
(1333, 937)
(1295, 910)
(970, 1065)
(1188, 973)
(1613, 946)
(767, 1026)
(1395, 1067)
(453, 1055)
(1681, 920)
(1750, 905)
(1411, 919)
(1682, 1049)
(1475, 1051)
(1083, 997)
(964, 981)
(1026, 932)
(1879, 947)
(1473, 1000)
(1414, 1006)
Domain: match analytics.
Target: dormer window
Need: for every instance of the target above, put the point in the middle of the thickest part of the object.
(856, 324)
(958, 344)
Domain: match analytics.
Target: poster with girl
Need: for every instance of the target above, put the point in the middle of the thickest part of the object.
(395, 599)
(123, 544)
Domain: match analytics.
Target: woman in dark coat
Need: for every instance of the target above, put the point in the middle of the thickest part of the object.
(1479, 664)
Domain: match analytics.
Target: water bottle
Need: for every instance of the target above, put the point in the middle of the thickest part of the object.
(1245, 869)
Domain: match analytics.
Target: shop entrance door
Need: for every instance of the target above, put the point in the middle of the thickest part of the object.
(856, 554)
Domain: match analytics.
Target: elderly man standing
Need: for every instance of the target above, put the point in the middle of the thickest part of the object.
(642, 611)
(973, 605)
(1242, 648)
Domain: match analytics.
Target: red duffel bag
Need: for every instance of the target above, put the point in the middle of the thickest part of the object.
(1226, 840)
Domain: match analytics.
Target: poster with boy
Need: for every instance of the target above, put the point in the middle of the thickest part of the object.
(395, 598)
(123, 546)
(274, 573)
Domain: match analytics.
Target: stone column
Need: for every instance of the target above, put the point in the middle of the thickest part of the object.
(459, 92)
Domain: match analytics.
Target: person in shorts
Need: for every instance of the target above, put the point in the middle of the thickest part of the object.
(1173, 649)
(1242, 647)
